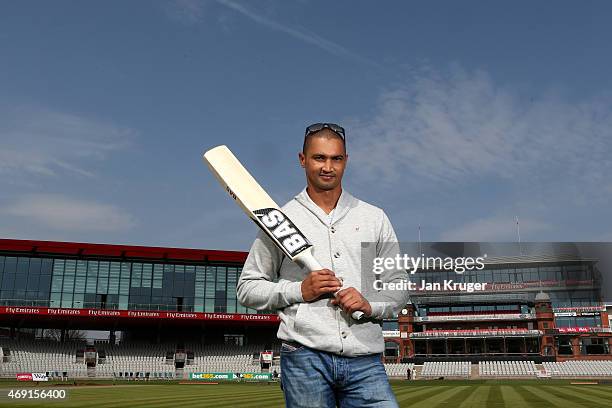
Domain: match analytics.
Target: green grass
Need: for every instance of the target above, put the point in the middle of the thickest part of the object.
(426, 394)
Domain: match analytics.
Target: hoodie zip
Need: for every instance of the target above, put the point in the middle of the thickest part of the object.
(337, 309)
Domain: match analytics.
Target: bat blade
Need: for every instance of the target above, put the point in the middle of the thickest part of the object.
(255, 202)
(261, 208)
(237, 181)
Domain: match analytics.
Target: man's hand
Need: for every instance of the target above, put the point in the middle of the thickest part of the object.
(351, 300)
(319, 283)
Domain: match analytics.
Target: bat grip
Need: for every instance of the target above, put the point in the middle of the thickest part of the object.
(310, 262)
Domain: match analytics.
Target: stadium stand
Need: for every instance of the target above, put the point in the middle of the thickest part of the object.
(56, 359)
(446, 369)
(215, 358)
(507, 369)
(141, 361)
(132, 361)
(585, 368)
(399, 369)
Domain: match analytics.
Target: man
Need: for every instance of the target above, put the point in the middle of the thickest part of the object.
(328, 358)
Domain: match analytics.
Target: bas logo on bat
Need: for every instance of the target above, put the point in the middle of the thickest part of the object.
(280, 227)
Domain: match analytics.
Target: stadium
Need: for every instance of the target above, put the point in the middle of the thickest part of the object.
(540, 335)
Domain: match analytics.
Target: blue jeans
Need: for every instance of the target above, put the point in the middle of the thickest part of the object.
(316, 379)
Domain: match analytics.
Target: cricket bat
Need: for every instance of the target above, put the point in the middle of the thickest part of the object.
(258, 205)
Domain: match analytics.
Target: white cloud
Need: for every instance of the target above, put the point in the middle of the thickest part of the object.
(62, 213)
(46, 143)
(462, 127)
(307, 37)
(494, 229)
(192, 12)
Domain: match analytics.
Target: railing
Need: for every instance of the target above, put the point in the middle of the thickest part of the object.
(446, 318)
(564, 330)
(535, 353)
(592, 308)
(476, 333)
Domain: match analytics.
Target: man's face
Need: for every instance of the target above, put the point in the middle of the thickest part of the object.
(324, 161)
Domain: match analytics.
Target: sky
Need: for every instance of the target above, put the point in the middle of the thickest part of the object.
(460, 116)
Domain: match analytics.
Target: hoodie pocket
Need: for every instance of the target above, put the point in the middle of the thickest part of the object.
(298, 326)
(313, 319)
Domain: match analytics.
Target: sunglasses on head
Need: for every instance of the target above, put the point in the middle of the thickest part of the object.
(316, 127)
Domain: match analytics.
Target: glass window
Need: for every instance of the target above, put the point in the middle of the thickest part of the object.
(155, 302)
(389, 325)
(125, 287)
(33, 279)
(562, 322)
(81, 268)
(21, 280)
(34, 266)
(113, 278)
(10, 265)
(46, 267)
(44, 285)
(209, 305)
(168, 268)
(549, 273)
(77, 301)
(79, 284)
(221, 278)
(92, 276)
(103, 273)
(23, 265)
(57, 281)
(81, 277)
(199, 305)
(8, 282)
(70, 268)
(210, 281)
(158, 276)
(178, 288)
(199, 289)
(112, 301)
(159, 272)
(200, 272)
(147, 273)
(113, 286)
(231, 289)
(55, 299)
(126, 268)
(136, 275)
(123, 302)
(66, 299)
(68, 283)
(190, 274)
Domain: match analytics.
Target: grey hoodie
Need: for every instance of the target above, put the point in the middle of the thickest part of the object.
(358, 233)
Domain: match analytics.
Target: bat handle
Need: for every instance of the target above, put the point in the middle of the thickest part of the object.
(309, 262)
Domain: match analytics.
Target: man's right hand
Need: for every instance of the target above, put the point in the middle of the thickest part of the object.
(319, 283)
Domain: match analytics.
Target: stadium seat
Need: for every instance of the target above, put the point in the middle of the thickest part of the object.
(446, 369)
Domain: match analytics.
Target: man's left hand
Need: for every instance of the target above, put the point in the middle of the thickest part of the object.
(351, 300)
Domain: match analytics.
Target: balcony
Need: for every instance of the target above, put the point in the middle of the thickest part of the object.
(478, 333)
(479, 317)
